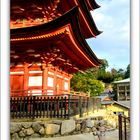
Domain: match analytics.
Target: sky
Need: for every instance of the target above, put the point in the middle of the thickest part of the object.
(113, 18)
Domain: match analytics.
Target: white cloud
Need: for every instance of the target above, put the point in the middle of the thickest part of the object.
(113, 18)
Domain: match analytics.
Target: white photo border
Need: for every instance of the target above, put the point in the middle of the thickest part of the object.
(4, 70)
(135, 70)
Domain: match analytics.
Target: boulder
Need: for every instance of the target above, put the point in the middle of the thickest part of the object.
(67, 126)
(52, 129)
(15, 136)
(36, 127)
(26, 124)
(83, 125)
(89, 123)
(87, 130)
(29, 131)
(42, 131)
(78, 127)
(102, 122)
(94, 130)
(15, 127)
(22, 134)
(57, 122)
(27, 138)
(35, 135)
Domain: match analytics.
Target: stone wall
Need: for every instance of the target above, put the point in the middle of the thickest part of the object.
(52, 128)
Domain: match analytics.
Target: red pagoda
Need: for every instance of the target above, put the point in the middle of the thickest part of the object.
(48, 44)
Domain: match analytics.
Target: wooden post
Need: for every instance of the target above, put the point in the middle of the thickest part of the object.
(69, 109)
(55, 107)
(44, 78)
(65, 107)
(80, 106)
(33, 107)
(125, 133)
(87, 107)
(25, 79)
(120, 126)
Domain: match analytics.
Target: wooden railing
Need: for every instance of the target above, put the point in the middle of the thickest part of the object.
(124, 127)
(61, 106)
(29, 92)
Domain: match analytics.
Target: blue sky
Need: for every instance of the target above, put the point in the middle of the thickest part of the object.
(113, 18)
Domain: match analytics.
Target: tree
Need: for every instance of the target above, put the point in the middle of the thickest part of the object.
(115, 92)
(92, 72)
(102, 74)
(96, 88)
(87, 82)
(121, 71)
(104, 64)
(113, 72)
(91, 80)
(127, 73)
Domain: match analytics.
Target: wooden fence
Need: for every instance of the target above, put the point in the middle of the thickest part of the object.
(62, 106)
(124, 127)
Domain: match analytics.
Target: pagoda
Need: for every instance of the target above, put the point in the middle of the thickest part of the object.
(48, 44)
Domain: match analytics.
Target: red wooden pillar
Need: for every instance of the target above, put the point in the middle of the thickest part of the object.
(69, 77)
(25, 79)
(69, 85)
(44, 79)
(63, 81)
(55, 82)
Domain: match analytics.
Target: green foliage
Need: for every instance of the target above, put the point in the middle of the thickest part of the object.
(106, 77)
(87, 83)
(96, 87)
(127, 73)
(104, 65)
(113, 75)
(91, 80)
(115, 92)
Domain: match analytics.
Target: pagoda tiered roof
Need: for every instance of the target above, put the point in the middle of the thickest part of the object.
(58, 41)
(26, 13)
(61, 44)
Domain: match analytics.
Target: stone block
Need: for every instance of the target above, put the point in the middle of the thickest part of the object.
(78, 127)
(87, 130)
(89, 123)
(42, 131)
(36, 126)
(15, 136)
(35, 135)
(57, 122)
(67, 126)
(15, 127)
(52, 129)
(22, 134)
(26, 124)
(29, 131)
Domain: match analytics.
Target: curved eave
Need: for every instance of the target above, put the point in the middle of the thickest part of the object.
(94, 4)
(90, 18)
(71, 17)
